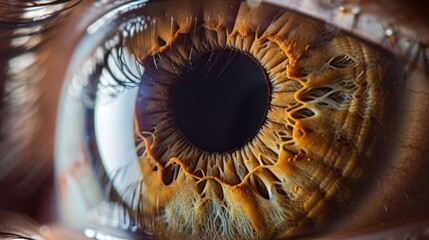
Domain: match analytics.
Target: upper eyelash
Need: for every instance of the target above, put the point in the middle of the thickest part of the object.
(11, 235)
(15, 16)
(25, 3)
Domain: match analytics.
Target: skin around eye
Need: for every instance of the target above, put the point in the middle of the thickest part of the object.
(417, 157)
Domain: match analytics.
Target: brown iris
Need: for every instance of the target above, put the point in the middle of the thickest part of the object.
(251, 122)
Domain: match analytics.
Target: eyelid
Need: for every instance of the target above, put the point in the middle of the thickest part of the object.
(415, 229)
(371, 22)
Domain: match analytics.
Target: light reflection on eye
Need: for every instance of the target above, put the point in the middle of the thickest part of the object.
(108, 115)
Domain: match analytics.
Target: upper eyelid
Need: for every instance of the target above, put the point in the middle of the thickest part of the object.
(395, 37)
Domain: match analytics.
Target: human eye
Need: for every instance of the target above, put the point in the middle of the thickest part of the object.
(134, 154)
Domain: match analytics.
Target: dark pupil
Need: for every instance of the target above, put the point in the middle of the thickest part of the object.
(221, 100)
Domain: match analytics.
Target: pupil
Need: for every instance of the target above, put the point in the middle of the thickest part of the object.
(221, 100)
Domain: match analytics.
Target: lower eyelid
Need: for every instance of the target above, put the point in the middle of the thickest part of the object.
(414, 229)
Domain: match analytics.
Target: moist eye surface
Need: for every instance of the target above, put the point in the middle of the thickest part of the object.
(249, 122)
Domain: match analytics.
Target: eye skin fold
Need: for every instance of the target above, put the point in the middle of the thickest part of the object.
(392, 187)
